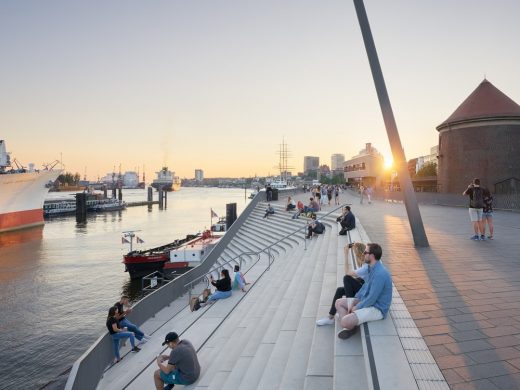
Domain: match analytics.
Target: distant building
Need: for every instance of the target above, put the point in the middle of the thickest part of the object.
(199, 175)
(480, 139)
(336, 161)
(428, 159)
(310, 163)
(365, 168)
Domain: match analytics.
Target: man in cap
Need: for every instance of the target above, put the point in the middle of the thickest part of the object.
(180, 368)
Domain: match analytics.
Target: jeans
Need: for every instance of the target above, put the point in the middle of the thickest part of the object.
(219, 295)
(116, 337)
(350, 287)
(307, 209)
(132, 328)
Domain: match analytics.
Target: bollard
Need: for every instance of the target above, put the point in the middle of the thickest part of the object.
(231, 214)
(150, 194)
(120, 194)
(161, 198)
(114, 192)
(105, 192)
(81, 207)
(165, 199)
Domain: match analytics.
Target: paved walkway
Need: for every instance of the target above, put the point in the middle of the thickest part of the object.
(463, 295)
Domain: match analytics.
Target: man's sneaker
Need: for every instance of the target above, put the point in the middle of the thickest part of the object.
(143, 341)
(482, 238)
(475, 238)
(136, 349)
(325, 321)
(344, 334)
(147, 337)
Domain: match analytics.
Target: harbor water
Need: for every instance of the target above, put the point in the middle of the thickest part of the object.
(58, 281)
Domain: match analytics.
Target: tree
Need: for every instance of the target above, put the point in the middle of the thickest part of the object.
(428, 169)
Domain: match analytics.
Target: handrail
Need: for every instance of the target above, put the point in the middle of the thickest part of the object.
(258, 252)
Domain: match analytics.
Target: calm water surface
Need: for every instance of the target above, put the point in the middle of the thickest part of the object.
(57, 282)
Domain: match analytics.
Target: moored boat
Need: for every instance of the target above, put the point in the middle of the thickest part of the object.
(22, 193)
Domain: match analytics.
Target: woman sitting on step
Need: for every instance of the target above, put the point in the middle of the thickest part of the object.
(222, 285)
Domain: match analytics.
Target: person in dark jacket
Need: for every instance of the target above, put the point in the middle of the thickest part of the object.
(223, 286)
(347, 221)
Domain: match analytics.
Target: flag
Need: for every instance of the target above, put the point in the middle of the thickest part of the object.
(124, 241)
(139, 241)
(213, 214)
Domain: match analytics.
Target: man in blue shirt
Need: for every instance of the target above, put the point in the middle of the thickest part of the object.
(372, 301)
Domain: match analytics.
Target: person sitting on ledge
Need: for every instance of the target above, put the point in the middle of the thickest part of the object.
(352, 281)
(118, 333)
(315, 227)
(239, 282)
(291, 204)
(372, 301)
(124, 322)
(182, 367)
(347, 221)
(269, 210)
(222, 285)
(313, 207)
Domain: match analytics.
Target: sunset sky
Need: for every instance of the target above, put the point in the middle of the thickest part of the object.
(217, 84)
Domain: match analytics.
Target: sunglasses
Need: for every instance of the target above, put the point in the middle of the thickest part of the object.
(366, 253)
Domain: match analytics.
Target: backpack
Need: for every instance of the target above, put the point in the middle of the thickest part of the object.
(320, 228)
(477, 201)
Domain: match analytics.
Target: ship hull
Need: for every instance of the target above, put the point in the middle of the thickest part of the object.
(167, 186)
(21, 199)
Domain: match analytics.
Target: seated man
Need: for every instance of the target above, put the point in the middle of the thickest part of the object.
(315, 227)
(347, 220)
(313, 206)
(372, 302)
(352, 281)
(125, 323)
(182, 366)
(269, 210)
(291, 204)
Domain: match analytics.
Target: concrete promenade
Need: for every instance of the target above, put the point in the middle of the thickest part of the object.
(464, 295)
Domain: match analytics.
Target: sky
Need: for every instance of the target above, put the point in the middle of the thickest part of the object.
(218, 84)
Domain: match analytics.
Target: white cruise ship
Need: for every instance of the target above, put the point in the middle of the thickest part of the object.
(22, 193)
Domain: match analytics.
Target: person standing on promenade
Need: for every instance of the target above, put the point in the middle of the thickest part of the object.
(182, 367)
(369, 194)
(269, 192)
(139, 334)
(361, 193)
(487, 213)
(372, 302)
(476, 208)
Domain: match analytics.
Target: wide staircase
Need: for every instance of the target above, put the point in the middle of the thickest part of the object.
(266, 338)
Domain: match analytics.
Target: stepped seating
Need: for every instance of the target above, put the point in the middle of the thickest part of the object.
(267, 338)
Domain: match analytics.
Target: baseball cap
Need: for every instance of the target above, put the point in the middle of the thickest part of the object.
(172, 336)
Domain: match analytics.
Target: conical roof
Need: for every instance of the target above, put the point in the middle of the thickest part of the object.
(486, 101)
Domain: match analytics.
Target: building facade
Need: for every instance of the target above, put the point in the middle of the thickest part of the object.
(336, 161)
(481, 139)
(428, 159)
(310, 163)
(199, 175)
(366, 168)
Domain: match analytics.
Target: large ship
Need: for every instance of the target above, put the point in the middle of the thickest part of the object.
(22, 193)
(167, 180)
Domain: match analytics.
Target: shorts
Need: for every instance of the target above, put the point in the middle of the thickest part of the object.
(173, 378)
(368, 314)
(475, 215)
(489, 214)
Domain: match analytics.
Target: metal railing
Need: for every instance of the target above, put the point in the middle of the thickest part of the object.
(267, 249)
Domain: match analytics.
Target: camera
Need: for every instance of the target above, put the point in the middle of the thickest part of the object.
(351, 245)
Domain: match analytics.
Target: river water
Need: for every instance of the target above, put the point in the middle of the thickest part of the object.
(58, 281)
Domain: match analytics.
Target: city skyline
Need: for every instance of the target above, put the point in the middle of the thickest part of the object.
(218, 86)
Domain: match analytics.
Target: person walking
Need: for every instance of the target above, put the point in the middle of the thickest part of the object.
(181, 367)
(476, 208)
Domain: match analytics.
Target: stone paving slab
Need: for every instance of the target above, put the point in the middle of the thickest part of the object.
(463, 295)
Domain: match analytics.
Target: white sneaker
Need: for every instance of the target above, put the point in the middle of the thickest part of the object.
(147, 337)
(325, 321)
(143, 341)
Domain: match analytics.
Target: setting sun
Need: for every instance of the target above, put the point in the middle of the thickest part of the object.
(389, 162)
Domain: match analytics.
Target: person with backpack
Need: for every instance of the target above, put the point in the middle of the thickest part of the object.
(315, 227)
(476, 208)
